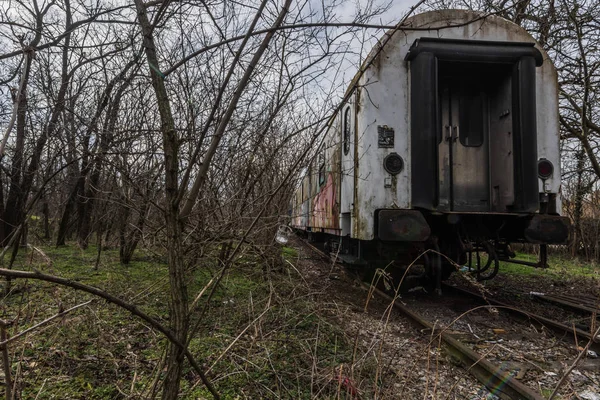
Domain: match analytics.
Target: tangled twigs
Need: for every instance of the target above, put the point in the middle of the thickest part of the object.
(5, 340)
(9, 273)
(572, 367)
(5, 359)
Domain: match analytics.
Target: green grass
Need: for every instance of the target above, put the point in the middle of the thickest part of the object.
(289, 253)
(95, 349)
(560, 266)
(264, 335)
(102, 352)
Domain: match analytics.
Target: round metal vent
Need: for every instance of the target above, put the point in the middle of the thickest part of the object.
(393, 163)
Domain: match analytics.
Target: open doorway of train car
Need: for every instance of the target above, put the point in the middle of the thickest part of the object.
(474, 143)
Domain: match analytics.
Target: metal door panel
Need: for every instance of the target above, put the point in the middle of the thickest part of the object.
(470, 178)
(463, 165)
(444, 152)
(501, 148)
(471, 188)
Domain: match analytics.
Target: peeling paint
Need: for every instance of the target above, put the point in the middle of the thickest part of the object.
(325, 206)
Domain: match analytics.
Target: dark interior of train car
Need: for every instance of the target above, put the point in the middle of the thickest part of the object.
(476, 120)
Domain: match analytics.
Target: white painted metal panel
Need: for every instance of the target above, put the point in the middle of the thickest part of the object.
(384, 100)
(548, 125)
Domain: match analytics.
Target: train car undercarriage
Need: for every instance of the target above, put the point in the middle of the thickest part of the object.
(421, 248)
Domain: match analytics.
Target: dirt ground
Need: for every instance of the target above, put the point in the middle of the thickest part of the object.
(389, 348)
(393, 351)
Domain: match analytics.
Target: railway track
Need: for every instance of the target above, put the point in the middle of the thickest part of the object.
(496, 378)
(582, 303)
(570, 332)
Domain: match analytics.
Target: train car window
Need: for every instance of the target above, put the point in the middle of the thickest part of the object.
(471, 118)
(346, 129)
(321, 175)
(321, 166)
(310, 179)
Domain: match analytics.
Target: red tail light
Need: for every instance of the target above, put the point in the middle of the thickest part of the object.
(545, 168)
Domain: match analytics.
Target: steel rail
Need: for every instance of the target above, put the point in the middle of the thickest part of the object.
(498, 381)
(579, 304)
(556, 326)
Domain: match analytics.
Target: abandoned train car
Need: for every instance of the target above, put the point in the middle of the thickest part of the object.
(448, 140)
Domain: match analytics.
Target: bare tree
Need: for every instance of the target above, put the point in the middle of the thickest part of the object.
(192, 152)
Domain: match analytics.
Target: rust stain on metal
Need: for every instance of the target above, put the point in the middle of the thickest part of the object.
(326, 206)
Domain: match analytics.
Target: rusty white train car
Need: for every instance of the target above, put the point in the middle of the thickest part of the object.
(449, 141)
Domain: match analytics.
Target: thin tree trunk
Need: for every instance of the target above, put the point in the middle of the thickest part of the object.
(13, 211)
(46, 215)
(8, 386)
(578, 212)
(130, 241)
(16, 239)
(178, 301)
(18, 207)
(65, 221)
(99, 234)
(123, 258)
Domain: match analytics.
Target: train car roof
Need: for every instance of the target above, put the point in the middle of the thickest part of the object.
(439, 20)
